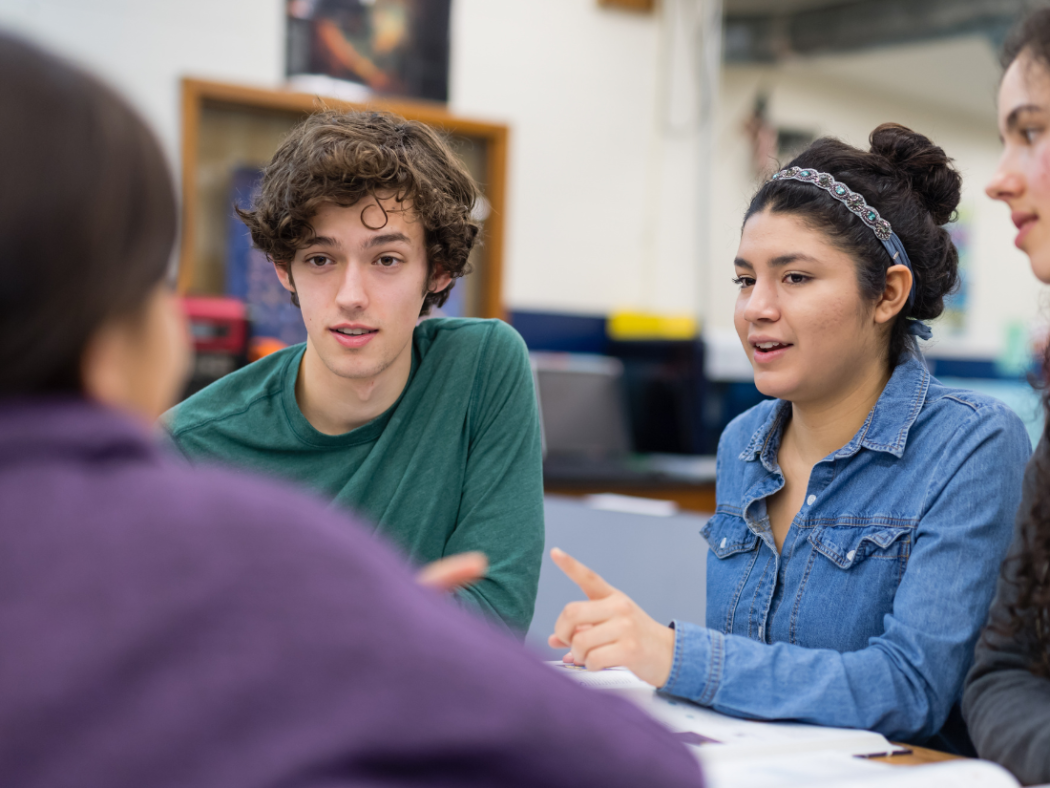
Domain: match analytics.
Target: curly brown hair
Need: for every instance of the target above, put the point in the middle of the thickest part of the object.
(343, 157)
(1027, 569)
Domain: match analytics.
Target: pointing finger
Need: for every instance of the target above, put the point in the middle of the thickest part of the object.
(589, 581)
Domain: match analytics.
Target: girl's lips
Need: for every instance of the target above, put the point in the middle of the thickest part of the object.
(766, 356)
(1023, 229)
(355, 341)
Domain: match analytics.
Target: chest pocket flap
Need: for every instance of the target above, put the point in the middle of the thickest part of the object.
(848, 545)
(728, 534)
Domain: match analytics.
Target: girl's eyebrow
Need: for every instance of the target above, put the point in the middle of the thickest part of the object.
(1013, 119)
(779, 261)
(787, 259)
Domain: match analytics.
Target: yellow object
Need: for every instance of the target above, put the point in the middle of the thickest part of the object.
(645, 325)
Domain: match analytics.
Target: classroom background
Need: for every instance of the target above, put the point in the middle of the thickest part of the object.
(617, 143)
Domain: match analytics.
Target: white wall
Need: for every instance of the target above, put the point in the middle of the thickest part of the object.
(602, 190)
(600, 201)
(145, 46)
(603, 171)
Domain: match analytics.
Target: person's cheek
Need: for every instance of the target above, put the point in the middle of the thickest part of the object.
(173, 362)
(1039, 180)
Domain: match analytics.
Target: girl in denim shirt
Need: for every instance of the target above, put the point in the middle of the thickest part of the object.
(862, 513)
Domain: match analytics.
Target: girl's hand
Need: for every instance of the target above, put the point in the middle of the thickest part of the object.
(610, 630)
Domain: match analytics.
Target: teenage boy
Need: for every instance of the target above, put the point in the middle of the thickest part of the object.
(430, 430)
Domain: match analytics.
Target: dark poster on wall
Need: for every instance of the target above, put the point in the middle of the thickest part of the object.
(394, 47)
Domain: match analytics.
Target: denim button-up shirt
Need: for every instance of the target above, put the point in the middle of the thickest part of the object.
(868, 616)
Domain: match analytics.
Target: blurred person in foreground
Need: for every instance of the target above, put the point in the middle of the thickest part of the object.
(167, 626)
(1007, 697)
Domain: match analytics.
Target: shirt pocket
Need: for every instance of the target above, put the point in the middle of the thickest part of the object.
(847, 546)
(849, 584)
(728, 534)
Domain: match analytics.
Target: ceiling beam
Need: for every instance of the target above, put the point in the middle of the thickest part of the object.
(875, 23)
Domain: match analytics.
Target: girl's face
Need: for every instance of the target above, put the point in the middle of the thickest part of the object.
(1022, 179)
(810, 335)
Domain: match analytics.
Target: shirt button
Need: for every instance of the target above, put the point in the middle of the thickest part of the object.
(723, 542)
(811, 500)
(850, 554)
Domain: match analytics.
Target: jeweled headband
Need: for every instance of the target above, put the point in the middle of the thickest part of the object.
(882, 229)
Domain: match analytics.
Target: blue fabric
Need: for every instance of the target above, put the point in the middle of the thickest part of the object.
(869, 616)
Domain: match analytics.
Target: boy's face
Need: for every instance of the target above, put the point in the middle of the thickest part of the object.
(361, 281)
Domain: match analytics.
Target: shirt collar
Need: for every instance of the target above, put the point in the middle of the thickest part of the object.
(885, 429)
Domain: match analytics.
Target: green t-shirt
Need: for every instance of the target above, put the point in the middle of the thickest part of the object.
(454, 465)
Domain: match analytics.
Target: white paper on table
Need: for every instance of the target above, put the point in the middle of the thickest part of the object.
(837, 770)
(722, 736)
(751, 754)
(790, 771)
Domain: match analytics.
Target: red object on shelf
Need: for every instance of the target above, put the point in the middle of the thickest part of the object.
(217, 325)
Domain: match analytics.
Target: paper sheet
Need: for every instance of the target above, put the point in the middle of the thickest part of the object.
(738, 753)
(725, 736)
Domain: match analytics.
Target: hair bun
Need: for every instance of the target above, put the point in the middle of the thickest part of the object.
(926, 166)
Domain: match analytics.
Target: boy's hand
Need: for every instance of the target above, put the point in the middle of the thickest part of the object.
(454, 572)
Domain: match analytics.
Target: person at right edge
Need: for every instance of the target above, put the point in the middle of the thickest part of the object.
(165, 626)
(1007, 697)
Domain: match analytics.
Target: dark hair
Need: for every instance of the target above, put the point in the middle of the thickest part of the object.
(343, 157)
(87, 216)
(1026, 568)
(1030, 36)
(912, 184)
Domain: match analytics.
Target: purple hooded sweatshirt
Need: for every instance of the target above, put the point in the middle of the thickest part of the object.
(167, 626)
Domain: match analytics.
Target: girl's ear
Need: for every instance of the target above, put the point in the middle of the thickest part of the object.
(895, 296)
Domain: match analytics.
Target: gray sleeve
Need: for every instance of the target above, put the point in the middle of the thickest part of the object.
(1006, 706)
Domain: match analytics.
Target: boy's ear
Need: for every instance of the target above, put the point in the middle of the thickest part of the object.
(439, 280)
(284, 273)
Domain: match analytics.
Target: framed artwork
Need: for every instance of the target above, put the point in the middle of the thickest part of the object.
(391, 47)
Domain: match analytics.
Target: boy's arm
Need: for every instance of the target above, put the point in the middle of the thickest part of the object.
(501, 504)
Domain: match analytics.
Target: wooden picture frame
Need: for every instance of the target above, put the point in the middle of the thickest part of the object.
(268, 111)
(642, 6)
